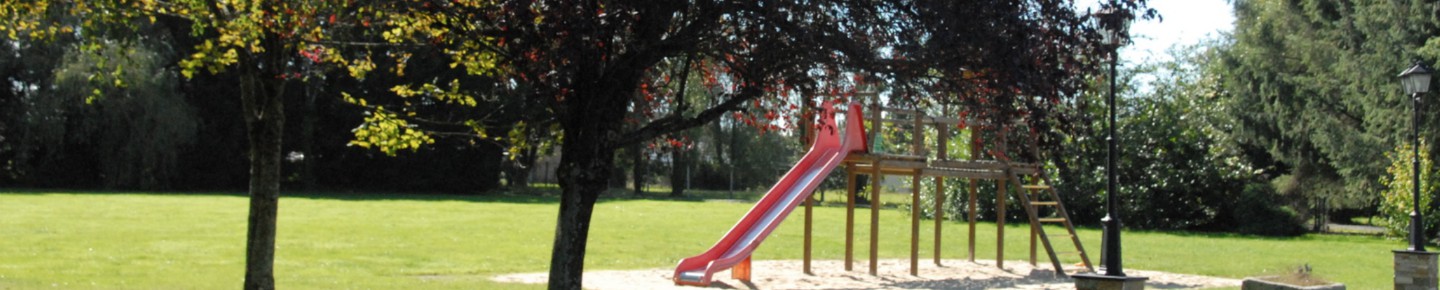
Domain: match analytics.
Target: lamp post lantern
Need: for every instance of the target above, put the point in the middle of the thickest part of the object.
(1416, 82)
(1114, 26)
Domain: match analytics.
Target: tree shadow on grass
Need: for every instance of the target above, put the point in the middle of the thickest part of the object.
(1194, 233)
(491, 197)
(723, 285)
(1035, 278)
(538, 195)
(61, 191)
(1225, 235)
(525, 196)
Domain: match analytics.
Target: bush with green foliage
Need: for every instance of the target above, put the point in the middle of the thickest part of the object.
(1258, 210)
(1397, 200)
(1174, 172)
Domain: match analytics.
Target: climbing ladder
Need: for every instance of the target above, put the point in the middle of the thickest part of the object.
(1035, 193)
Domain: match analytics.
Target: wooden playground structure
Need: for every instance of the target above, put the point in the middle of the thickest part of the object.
(1027, 181)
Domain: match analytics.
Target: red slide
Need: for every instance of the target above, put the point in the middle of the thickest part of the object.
(792, 189)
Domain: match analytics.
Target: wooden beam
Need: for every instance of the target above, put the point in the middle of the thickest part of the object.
(882, 157)
(972, 174)
(891, 168)
(969, 164)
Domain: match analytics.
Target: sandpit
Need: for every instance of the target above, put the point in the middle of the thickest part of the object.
(893, 274)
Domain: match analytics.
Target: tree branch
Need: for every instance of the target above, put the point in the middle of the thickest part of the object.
(677, 121)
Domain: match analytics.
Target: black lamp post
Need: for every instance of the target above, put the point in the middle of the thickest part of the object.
(1416, 81)
(1114, 26)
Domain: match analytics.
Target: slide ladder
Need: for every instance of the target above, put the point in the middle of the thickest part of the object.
(1039, 195)
(1036, 195)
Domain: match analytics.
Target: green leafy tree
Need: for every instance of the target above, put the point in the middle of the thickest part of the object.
(264, 43)
(1310, 86)
(134, 117)
(1175, 170)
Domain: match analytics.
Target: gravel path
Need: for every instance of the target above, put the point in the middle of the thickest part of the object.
(894, 274)
(1354, 229)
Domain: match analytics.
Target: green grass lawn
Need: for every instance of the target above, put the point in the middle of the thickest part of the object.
(196, 241)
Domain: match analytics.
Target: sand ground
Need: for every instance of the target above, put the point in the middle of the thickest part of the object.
(893, 274)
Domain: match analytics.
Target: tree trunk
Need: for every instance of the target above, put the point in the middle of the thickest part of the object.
(637, 172)
(263, 107)
(677, 172)
(717, 138)
(567, 258)
(585, 168)
(591, 119)
(518, 170)
(264, 120)
(307, 135)
(733, 153)
(527, 166)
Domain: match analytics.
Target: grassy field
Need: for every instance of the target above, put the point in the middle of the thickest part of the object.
(196, 241)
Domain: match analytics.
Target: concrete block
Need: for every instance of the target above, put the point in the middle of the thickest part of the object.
(1263, 284)
(1416, 270)
(1102, 282)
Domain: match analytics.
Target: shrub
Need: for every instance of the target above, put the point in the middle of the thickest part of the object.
(1396, 200)
(1260, 211)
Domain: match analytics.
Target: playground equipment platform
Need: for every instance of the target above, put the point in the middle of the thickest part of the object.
(862, 152)
(1029, 179)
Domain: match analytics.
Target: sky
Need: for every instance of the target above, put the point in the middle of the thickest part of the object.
(1183, 22)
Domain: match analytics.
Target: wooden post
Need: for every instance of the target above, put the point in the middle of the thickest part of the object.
(939, 214)
(974, 190)
(1033, 233)
(1000, 223)
(741, 271)
(970, 211)
(918, 148)
(943, 137)
(850, 218)
(1002, 193)
(917, 144)
(806, 123)
(915, 224)
(875, 218)
(875, 177)
(808, 216)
